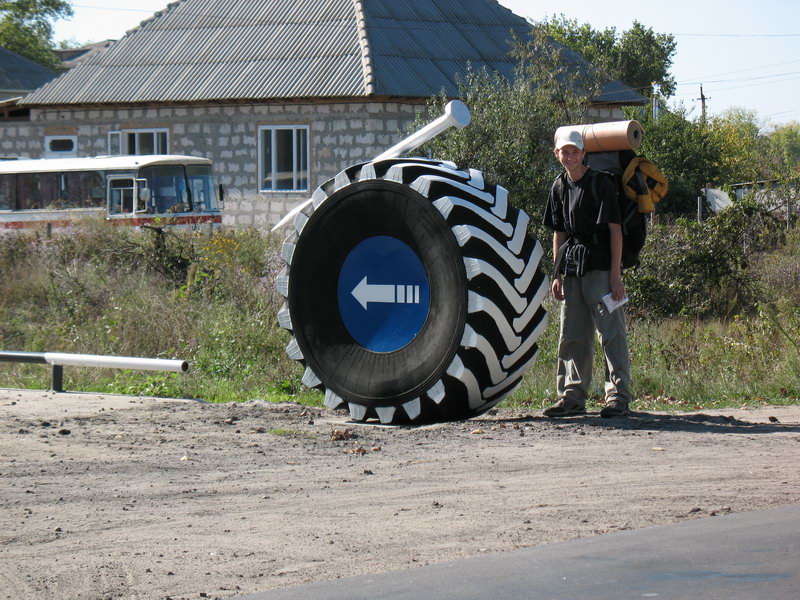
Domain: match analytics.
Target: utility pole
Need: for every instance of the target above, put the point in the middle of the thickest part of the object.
(702, 99)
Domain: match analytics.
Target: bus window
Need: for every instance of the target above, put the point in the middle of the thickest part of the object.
(201, 183)
(167, 185)
(8, 188)
(82, 189)
(59, 190)
(120, 196)
(37, 190)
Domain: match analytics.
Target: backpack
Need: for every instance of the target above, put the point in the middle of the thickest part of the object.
(639, 184)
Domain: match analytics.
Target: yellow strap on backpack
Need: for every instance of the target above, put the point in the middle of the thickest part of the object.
(655, 191)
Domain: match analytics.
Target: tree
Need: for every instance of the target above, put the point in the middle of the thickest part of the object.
(737, 133)
(558, 74)
(25, 28)
(685, 153)
(510, 137)
(783, 150)
(639, 56)
(704, 269)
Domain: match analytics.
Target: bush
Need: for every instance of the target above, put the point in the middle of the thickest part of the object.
(156, 293)
(715, 314)
(681, 199)
(704, 269)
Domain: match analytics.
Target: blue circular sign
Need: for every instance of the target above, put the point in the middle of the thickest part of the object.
(383, 294)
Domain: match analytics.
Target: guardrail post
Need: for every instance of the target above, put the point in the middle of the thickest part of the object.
(57, 380)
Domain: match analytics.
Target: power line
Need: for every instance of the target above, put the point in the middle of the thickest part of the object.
(139, 10)
(784, 112)
(738, 35)
(780, 64)
(702, 80)
(737, 87)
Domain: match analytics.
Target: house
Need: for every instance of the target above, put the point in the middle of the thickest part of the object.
(72, 57)
(18, 77)
(281, 95)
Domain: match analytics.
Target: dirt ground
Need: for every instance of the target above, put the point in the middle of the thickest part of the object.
(119, 497)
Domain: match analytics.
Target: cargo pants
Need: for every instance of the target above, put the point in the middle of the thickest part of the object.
(581, 316)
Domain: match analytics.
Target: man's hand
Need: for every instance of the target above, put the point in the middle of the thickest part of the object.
(615, 276)
(557, 287)
(617, 286)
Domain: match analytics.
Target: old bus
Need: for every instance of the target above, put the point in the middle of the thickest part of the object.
(126, 190)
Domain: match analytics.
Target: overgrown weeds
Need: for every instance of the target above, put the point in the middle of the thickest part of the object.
(727, 335)
(156, 293)
(714, 317)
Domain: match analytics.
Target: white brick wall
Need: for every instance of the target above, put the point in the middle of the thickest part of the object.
(342, 134)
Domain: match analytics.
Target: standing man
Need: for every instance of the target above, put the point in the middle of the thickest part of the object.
(583, 212)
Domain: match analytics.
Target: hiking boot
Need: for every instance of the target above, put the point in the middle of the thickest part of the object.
(614, 408)
(562, 408)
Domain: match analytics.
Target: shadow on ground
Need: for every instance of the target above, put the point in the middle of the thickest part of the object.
(643, 421)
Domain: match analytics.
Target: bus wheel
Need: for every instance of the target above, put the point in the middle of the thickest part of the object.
(413, 292)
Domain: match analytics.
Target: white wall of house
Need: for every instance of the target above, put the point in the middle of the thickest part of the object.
(339, 135)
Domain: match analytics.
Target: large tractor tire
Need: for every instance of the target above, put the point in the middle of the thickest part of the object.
(413, 292)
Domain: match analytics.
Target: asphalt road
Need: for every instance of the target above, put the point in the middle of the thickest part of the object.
(743, 556)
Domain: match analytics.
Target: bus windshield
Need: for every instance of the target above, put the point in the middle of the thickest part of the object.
(179, 189)
(201, 185)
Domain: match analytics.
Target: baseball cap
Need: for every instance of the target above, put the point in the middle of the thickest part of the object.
(569, 137)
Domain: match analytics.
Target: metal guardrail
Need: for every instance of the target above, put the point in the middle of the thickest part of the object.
(59, 360)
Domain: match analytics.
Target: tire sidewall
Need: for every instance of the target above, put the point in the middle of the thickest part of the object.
(357, 212)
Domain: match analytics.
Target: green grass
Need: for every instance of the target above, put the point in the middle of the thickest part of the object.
(688, 364)
(212, 301)
(293, 433)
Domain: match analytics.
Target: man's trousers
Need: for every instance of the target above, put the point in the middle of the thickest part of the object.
(582, 313)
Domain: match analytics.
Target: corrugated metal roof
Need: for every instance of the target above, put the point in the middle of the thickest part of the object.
(20, 74)
(207, 50)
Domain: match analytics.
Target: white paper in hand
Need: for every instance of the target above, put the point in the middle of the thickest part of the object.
(611, 304)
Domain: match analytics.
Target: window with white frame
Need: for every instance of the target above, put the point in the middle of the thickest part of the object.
(138, 141)
(60, 146)
(283, 158)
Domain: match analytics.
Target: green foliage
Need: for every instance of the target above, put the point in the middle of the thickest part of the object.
(689, 348)
(736, 132)
(25, 28)
(508, 138)
(682, 147)
(99, 289)
(681, 200)
(690, 363)
(558, 76)
(639, 56)
(783, 152)
(704, 269)
(684, 363)
(718, 326)
(724, 150)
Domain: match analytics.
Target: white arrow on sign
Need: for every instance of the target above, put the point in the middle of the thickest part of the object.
(390, 293)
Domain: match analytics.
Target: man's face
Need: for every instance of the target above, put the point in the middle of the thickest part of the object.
(569, 156)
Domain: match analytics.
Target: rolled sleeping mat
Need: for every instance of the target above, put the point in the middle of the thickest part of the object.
(608, 137)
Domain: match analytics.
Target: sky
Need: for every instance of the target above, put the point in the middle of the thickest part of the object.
(745, 54)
